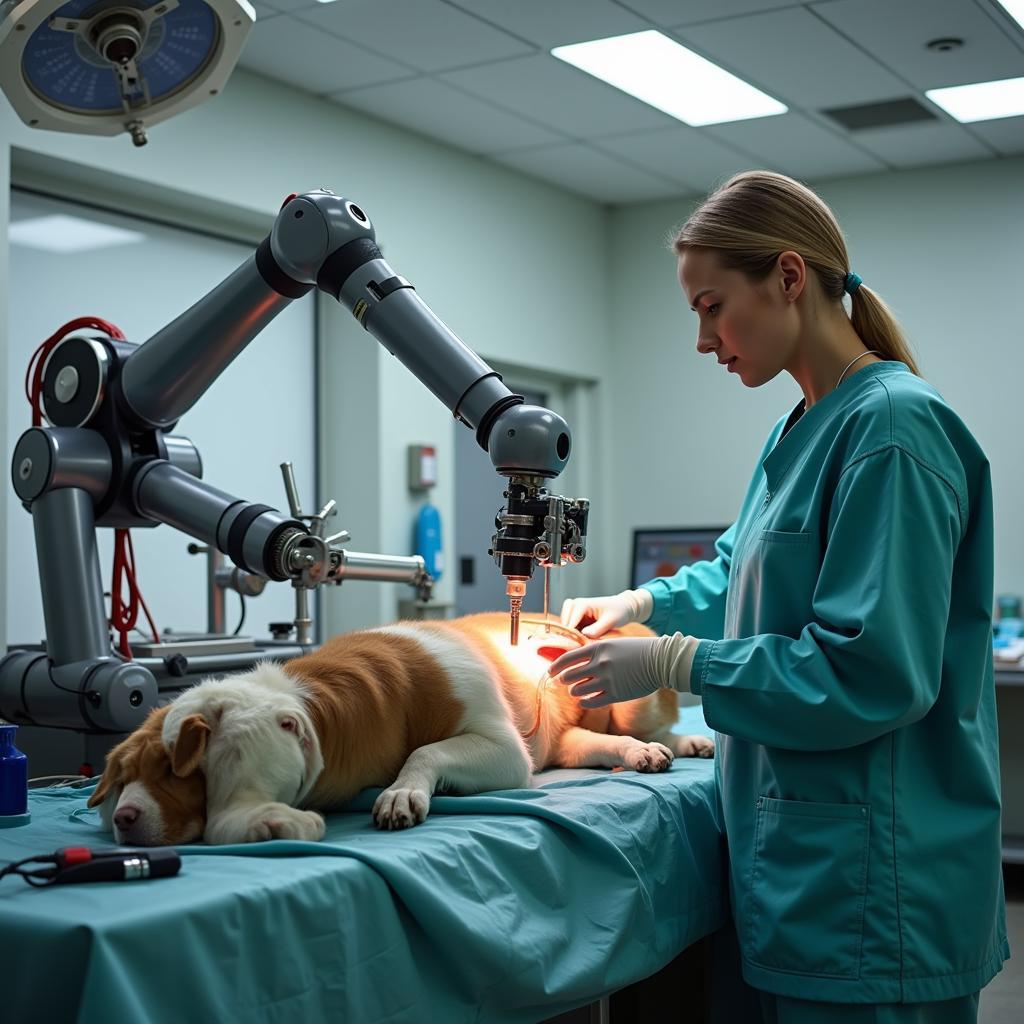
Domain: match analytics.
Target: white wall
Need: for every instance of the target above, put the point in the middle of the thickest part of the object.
(944, 246)
(516, 268)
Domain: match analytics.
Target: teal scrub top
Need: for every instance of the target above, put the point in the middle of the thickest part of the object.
(846, 663)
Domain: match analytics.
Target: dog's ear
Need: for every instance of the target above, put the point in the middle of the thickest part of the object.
(190, 746)
(111, 777)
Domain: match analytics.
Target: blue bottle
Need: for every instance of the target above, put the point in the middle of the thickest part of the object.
(428, 540)
(13, 780)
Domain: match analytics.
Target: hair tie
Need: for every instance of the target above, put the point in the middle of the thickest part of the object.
(852, 283)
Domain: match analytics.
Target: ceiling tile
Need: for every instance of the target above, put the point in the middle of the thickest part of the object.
(443, 112)
(896, 33)
(561, 97)
(795, 145)
(327, 63)
(1006, 134)
(795, 57)
(551, 23)
(425, 34)
(583, 170)
(918, 144)
(673, 12)
(686, 155)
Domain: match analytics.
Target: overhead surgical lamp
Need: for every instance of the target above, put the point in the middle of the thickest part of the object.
(100, 67)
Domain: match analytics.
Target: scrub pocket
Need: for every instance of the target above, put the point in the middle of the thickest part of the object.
(772, 583)
(808, 883)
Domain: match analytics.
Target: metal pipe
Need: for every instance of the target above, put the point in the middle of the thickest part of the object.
(362, 565)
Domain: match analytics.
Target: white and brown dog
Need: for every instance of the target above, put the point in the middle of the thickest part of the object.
(414, 708)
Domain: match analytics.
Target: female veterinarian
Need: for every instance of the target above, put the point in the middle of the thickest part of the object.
(841, 640)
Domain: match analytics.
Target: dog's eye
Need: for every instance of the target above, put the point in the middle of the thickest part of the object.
(289, 724)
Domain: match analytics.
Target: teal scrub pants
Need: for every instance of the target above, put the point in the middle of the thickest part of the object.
(782, 1010)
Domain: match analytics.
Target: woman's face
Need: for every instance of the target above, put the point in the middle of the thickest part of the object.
(751, 328)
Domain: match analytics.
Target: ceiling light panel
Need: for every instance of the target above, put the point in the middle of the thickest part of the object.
(63, 234)
(982, 101)
(666, 75)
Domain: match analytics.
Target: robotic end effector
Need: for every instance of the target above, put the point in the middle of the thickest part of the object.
(530, 445)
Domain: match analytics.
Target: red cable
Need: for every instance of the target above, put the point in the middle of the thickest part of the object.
(123, 616)
(34, 372)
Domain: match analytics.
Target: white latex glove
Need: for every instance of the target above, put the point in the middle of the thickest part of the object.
(609, 612)
(625, 668)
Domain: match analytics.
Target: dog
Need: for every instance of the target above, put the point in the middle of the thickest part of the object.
(413, 708)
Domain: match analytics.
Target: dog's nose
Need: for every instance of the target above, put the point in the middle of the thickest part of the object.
(126, 816)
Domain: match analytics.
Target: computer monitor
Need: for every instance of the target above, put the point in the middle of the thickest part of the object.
(662, 552)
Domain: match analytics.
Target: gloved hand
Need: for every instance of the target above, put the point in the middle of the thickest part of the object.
(625, 668)
(609, 612)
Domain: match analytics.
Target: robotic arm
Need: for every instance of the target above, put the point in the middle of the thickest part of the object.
(109, 458)
(322, 240)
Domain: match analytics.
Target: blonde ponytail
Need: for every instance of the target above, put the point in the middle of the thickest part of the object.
(878, 328)
(757, 215)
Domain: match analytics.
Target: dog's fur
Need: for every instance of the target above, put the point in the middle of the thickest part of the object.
(413, 708)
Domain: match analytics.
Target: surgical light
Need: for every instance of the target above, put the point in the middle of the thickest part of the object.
(100, 67)
(662, 73)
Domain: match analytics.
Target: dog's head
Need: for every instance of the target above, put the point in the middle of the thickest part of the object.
(258, 741)
(151, 793)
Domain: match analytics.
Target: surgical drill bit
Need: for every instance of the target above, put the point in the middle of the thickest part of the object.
(516, 591)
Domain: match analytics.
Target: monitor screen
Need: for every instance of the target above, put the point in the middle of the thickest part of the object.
(663, 552)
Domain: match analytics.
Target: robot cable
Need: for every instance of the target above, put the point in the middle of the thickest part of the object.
(123, 614)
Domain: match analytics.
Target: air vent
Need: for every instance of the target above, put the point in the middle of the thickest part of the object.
(880, 115)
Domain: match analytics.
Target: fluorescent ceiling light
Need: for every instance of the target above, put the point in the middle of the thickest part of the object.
(982, 101)
(61, 233)
(1015, 9)
(657, 70)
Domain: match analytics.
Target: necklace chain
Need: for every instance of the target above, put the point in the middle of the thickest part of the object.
(870, 352)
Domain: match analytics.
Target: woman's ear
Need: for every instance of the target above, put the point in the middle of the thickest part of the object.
(793, 275)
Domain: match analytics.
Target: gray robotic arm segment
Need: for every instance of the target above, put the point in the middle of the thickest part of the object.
(527, 436)
(316, 226)
(534, 441)
(255, 537)
(69, 570)
(324, 239)
(59, 457)
(171, 371)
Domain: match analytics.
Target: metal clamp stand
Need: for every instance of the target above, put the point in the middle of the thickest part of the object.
(221, 578)
(313, 571)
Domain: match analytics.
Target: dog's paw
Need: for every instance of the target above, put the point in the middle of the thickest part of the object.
(279, 821)
(694, 746)
(648, 757)
(398, 808)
